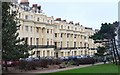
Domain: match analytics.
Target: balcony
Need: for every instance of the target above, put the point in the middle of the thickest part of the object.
(43, 46)
(68, 48)
(60, 48)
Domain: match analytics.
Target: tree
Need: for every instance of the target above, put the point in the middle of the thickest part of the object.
(107, 32)
(101, 51)
(12, 47)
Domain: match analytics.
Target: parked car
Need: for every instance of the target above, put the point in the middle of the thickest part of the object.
(36, 58)
(49, 57)
(83, 56)
(62, 58)
(66, 58)
(78, 57)
(29, 59)
(10, 63)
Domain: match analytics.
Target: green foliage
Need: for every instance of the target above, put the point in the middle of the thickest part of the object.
(104, 68)
(101, 51)
(107, 34)
(12, 47)
(97, 36)
(28, 65)
(107, 31)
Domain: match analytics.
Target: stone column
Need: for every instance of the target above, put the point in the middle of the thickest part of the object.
(44, 37)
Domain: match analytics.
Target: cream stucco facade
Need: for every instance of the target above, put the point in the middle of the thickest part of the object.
(53, 37)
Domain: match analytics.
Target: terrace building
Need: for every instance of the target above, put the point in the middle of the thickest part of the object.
(52, 37)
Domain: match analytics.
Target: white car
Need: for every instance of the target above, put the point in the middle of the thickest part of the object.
(66, 58)
(29, 59)
(36, 58)
(62, 58)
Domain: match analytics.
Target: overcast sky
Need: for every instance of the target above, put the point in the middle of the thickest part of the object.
(90, 13)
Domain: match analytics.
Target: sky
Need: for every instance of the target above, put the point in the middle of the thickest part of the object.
(89, 13)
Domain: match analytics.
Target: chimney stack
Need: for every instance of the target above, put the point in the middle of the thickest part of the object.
(39, 7)
(64, 20)
(24, 2)
(58, 19)
(34, 5)
(77, 23)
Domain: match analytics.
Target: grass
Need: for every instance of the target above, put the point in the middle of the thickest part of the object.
(103, 69)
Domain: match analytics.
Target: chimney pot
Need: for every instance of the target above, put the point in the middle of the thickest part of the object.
(34, 5)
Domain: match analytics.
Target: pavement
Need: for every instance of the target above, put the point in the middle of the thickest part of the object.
(33, 72)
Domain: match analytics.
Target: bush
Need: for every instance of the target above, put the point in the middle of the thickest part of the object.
(84, 61)
(27, 65)
(57, 61)
(22, 65)
(43, 63)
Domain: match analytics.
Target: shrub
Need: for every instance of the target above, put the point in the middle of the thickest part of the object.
(22, 65)
(28, 65)
(43, 63)
(84, 61)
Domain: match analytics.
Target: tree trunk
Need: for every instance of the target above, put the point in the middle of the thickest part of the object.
(115, 57)
(6, 67)
(116, 51)
(2, 66)
(111, 51)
